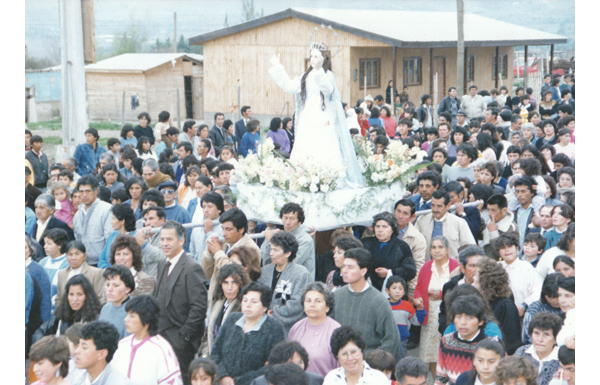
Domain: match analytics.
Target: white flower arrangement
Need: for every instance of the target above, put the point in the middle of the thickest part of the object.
(264, 167)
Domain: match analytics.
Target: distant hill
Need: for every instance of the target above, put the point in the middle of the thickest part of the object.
(42, 27)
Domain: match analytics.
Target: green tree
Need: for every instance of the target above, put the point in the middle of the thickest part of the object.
(182, 45)
(131, 40)
(248, 12)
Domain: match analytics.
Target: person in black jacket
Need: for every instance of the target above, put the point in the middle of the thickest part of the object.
(144, 129)
(38, 161)
(450, 104)
(390, 254)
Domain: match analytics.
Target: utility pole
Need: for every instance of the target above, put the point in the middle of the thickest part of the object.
(175, 32)
(73, 111)
(460, 51)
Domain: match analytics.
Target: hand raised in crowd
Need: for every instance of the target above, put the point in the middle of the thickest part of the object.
(570, 342)
(208, 226)
(269, 233)
(143, 234)
(312, 231)
(492, 226)
(213, 244)
(460, 208)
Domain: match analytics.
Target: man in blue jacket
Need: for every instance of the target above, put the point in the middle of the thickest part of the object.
(88, 154)
(450, 104)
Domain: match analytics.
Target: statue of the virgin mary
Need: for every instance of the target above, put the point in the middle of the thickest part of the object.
(321, 134)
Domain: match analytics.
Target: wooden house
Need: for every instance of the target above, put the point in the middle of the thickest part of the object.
(154, 78)
(416, 49)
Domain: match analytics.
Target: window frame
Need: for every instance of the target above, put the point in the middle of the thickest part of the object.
(362, 64)
(419, 68)
(503, 65)
(470, 68)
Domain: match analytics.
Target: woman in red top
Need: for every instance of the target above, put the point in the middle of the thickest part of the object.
(390, 123)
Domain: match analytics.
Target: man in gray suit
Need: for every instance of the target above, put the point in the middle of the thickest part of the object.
(181, 296)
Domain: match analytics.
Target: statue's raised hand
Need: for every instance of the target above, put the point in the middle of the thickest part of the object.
(274, 59)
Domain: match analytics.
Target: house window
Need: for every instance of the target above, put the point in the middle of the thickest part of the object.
(503, 66)
(412, 71)
(371, 68)
(470, 68)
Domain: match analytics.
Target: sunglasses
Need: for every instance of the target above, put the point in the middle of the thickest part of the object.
(167, 191)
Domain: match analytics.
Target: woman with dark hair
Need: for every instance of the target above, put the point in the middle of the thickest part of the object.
(123, 222)
(548, 107)
(230, 132)
(564, 246)
(127, 252)
(145, 356)
(564, 265)
(77, 256)
(459, 135)
(389, 123)
(110, 177)
(79, 304)
(288, 126)
(564, 145)
(486, 358)
(143, 149)
(428, 293)
(551, 191)
(291, 356)
(187, 190)
(245, 340)
(348, 347)
(278, 134)
(566, 178)
(135, 187)
(166, 156)
(341, 244)
(127, 136)
(246, 257)
(226, 299)
(491, 280)
(486, 146)
(287, 279)
(562, 216)
(316, 329)
(530, 151)
(50, 360)
(390, 254)
(143, 128)
(375, 119)
(550, 134)
(548, 302)
(548, 151)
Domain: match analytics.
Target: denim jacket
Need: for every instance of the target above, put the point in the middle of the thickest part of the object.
(87, 158)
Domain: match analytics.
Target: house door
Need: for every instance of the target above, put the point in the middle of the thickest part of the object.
(439, 68)
(189, 105)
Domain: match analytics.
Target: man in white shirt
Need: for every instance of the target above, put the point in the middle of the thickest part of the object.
(473, 103)
(525, 284)
(212, 208)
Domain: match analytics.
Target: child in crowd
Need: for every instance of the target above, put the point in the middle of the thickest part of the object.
(66, 177)
(487, 356)
(362, 121)
(403, 311)
(110, 176)
(114, 148)
(383, 361)
(533, 247)
(228, 155)
(456, 350)
(203, 371)
(63, 206)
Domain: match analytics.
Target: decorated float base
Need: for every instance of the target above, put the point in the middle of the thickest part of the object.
(323, 210)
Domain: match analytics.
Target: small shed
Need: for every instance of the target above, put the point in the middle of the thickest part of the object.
(417, 49)
(145, 82)
(43, 93)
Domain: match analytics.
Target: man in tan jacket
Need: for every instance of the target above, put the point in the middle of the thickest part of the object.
(404, 211)
(235, 234)
(455, 229)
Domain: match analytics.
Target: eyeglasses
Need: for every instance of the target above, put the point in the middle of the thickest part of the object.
(348, 354)
(167, 191)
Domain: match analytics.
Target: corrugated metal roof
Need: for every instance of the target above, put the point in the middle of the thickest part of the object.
(406, 29)
(139, 62)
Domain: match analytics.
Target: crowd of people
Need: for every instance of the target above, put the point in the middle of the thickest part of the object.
(118, 291)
